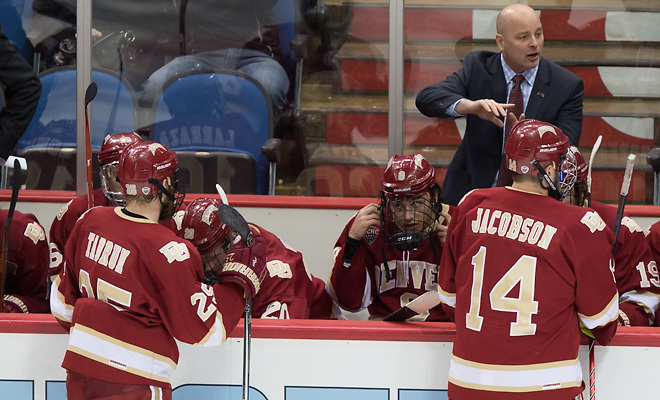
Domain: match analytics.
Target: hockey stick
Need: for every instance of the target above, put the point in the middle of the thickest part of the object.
(418, 305)
(592, 364)
(221, 192)
(90, 93)
(16, 183)
(625, 185)
(230, 216)
(594, 149)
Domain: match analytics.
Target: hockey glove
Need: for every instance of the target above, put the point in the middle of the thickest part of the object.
(245, 266)
(12, 304)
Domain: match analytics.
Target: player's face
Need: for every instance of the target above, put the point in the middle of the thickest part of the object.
(215, 259)
(521, 41)
(577, 195)
(411, 212)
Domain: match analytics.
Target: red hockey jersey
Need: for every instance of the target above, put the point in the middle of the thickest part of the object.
(288, 289)
(362, 283)
(635, 270)
(519, 272)
(63, 223)
(128, 288)
(26, 276)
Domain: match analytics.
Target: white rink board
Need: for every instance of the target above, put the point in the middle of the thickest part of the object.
(319, 368)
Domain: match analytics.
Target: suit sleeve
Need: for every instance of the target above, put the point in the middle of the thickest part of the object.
(434, 100)
(22, 89)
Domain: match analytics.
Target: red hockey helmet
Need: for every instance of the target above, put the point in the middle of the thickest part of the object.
(580, 192)
(142, 168)
(113, 145)
(532, 140)
(212, 238)
(410, 201)
(407, 174)
(201, 225)
(581, 165)
(531, 144)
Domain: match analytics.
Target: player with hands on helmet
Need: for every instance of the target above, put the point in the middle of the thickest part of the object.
(285, 288)
(130, 286)
(388, 253)
(635, 267)
(245, 266)
(517, 278)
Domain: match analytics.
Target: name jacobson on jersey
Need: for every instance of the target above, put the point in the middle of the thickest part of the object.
(514, 227)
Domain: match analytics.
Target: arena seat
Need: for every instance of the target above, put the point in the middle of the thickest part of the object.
(221, 126)
(50, 142)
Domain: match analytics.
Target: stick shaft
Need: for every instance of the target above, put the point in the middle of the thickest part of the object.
(88, 163)
(16, 183)
(625, 186)
(247, 342)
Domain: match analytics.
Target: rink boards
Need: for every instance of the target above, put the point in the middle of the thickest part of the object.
(305, 359)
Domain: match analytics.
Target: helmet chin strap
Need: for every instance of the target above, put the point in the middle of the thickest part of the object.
(166, 211)
(544, 177)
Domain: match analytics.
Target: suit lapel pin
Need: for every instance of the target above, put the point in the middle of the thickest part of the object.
(540, 94)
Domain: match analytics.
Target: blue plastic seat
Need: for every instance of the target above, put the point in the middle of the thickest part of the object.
(225, 115)
(49, 144)
(54, 122)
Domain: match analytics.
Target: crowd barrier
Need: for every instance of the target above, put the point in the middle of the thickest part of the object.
(314, 359)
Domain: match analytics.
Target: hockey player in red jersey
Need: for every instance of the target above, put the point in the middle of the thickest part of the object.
(288, 289)
(653, 239)
(405, 232)
(520, 271)
(26, 273)
(130, 286)
(635, 270)
(108, 195)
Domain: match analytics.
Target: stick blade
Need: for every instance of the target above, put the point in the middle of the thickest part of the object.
(90, 93)
(419, 305)
(221, 192)
(233, 219)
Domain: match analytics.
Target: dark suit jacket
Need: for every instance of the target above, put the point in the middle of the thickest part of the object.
(555, 98)
(21, 89)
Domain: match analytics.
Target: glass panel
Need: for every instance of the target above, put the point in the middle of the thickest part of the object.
(335, 142)
(612, 46)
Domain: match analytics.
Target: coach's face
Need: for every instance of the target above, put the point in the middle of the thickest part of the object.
(520, 37)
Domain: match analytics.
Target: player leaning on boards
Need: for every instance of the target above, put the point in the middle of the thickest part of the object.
(287, 291)
(635, 269)
(404, 232)
(130, 286)
(520, 271)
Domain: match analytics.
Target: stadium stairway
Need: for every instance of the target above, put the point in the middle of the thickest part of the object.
(613, 45)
